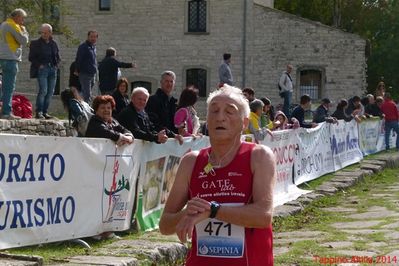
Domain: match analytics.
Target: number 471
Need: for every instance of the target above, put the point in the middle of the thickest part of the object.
(214, 228)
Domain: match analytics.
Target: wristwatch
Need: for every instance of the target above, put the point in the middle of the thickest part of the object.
(214, 209)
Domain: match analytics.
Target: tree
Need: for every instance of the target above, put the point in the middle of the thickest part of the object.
(39, 12)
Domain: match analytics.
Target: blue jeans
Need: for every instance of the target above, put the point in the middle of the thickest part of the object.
(391, 125)
(10, 70)
(46, 79)
(287, 95)
(86, 83)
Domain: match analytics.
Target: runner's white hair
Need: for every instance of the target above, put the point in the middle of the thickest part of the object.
(234, 93)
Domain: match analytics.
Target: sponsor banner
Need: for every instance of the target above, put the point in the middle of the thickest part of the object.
(54, 188)
(285, 146)
(314, 157)
(344, 140)
(159, 163)
(369, 134)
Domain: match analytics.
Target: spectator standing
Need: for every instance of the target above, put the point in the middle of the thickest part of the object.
(391, 113)
(186, 119)
(268, 112)
(225, 74)
(161, 106)
(372, 108)
(286, 89)
(281, 122)
(13, 36)
(254, 126)
(249, 93)
(121, 96)
(340, 112)
(135, 119)
(108, 71)
(86, 64)
(355, 107)
(380, 90)
(299, 111)
(321, 113)
(45, 58)
(199, 198)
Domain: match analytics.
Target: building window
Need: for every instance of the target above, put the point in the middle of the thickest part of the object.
(197, 77)
(197, 16)
(104, 5)
(144, 84)
(311, 83)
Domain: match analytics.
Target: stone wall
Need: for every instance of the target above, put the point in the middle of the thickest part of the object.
(281, 38)
(36, 127)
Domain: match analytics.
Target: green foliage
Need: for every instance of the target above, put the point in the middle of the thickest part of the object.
(39, 12)
(374, 20)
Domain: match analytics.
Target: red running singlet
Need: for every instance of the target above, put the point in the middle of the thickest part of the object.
(220, 243)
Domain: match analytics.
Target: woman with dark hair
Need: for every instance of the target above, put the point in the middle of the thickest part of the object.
(121, 96)
(186, 120)
(79, 112)
(102, 125)
(340, 113)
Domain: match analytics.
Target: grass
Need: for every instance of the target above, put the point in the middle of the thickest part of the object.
(313, 218)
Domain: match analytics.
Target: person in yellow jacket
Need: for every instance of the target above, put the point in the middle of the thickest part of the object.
(13, 35)
(254, 126)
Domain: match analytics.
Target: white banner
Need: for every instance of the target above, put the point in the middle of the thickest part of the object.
(285, 147)
(159, 163)
(345, 144)
(369, 134)
(315, 158)
(57, 188)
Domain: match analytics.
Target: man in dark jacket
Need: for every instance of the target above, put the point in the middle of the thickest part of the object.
(135, 119)
(44, 57)
(299, 112)
(321, 113)
(86, 64)
(108, 71)
(161, 106)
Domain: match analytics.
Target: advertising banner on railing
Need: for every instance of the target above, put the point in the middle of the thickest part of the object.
(57, 188)
(344, 141)
(369, 134)
(314, 156)
(159, 163)
(285, 147)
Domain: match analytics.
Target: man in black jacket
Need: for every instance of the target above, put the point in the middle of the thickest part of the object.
(321, 114)
(86, 64)
(299, 111)
(161, 106)
(108, 71)
(135, 119)
(44, 57)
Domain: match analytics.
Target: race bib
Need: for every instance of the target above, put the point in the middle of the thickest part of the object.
(220, 239)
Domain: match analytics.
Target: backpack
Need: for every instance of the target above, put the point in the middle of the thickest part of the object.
(80, 114)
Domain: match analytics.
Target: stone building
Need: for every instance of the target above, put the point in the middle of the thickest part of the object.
(190, 36)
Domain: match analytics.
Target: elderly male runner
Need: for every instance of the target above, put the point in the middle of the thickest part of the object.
(222, 197)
